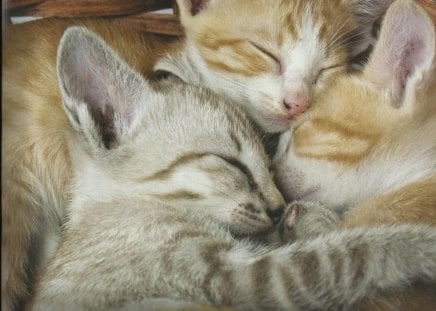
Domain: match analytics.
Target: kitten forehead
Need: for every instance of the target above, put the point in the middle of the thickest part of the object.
(302, 54)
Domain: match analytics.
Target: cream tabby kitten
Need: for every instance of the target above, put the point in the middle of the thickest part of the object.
(271, 56)
(159, 190)
(36, 168)
(368, 145)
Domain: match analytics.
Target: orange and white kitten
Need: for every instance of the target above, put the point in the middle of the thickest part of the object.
(271, 56)
(367, 147)
(371, 135)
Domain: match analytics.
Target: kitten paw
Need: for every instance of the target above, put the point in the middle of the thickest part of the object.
(304, 220)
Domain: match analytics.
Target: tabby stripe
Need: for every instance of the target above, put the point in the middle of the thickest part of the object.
(180, 195)
(337, 262)
(358, 257)
(291, 288)
(167, 172)
(249, 63)
(310, 267)
(262, 279)
(247, 70)
(324, 144)
(308, 264)
(236, 141)
(171, 245)
(211, 254)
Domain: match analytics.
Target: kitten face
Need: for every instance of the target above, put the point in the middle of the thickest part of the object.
(270, 57)
(142, 142)
(369, 134)
(221, 169)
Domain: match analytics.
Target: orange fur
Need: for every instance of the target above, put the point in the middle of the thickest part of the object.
(368, 143)
(222, 34)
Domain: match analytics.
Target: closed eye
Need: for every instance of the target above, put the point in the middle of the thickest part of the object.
(267, 53)
(243, 168)
(324, 69)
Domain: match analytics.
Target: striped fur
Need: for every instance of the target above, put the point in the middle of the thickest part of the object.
(271, 57)
(36, 166)
(126, 248)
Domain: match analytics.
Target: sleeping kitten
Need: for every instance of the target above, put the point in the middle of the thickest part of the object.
(368, 145)
(371, 134)
(36, 169)
(271, 57)
(158, 192)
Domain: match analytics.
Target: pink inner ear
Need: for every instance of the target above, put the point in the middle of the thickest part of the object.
(412, 56)
(405, 44)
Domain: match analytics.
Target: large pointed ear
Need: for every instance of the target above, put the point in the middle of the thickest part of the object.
(404, 58)
(102, 95)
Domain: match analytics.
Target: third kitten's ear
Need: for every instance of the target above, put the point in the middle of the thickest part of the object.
(190, 8)
(404, 58)
(102, 95)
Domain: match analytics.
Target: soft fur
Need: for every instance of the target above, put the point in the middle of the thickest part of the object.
(36, 168)
(159, 192)
(367, 147)
(271, 57)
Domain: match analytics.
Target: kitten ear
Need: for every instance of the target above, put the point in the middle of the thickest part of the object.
(404, 57)
(101, 93)
(192, 7)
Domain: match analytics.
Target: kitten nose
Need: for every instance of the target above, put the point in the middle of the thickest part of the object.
(296, 105)
(275, 213)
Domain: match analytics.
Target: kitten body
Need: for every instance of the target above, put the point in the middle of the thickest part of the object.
(36, 166)
(36, 158)
(367, 148)
(148, 225)
(371, 134)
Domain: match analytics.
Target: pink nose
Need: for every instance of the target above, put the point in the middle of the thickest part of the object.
(296, 105)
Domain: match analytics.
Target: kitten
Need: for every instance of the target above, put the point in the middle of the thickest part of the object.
(271, 57)
(36, 167)
(367, 148)
(372, 135)
(159, 190)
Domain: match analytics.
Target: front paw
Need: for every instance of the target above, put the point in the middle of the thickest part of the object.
(304, 220)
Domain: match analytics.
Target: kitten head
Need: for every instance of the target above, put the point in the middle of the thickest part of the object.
(169, 142)
(272, 56)
(369, 133)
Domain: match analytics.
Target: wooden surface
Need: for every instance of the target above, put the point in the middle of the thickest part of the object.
(130, 13)
(151, 22)
(88, 8)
